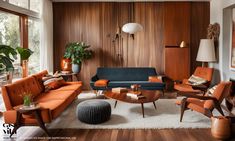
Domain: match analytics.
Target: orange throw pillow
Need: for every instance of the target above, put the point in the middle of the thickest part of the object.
(155, 79)
(101, 83)
(53, 82)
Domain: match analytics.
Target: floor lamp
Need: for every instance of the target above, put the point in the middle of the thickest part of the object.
(206, 52)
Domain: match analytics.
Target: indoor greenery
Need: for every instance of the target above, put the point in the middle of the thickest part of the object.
(7, 56)
(27, 98)
(25, 53)
(77, 52)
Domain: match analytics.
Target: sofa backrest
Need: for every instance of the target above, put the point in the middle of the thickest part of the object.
(38, 77)
(125, 74)
(12, 93)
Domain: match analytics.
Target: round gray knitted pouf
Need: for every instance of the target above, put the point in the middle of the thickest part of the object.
(93, 111)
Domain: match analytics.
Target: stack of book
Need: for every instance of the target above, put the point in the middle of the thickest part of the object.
(119, 90)
(135, 95)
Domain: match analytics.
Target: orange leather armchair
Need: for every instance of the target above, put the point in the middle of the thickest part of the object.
(205, 104)
(202, 72)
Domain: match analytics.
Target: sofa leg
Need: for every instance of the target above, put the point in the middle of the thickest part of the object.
(162, 92)
(183, 106)
(95, 91)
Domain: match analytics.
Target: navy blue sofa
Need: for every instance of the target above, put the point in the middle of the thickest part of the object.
(125, 77)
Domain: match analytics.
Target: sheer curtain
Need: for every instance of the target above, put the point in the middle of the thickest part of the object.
(46, 37)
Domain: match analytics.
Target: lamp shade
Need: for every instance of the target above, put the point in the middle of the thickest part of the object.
(131, 28)
(206, 51)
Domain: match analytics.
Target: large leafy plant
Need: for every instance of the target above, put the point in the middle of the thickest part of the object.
(77, 52)
(7, 56)
(25, 53)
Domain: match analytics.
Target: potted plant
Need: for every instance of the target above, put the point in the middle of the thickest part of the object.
(7, 56)
(25, 53)
(77, 52)
(27, 98)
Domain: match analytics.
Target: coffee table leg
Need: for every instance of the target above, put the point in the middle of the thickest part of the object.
(142, 106)
(40, 121)
(115, 104)
(154, 105)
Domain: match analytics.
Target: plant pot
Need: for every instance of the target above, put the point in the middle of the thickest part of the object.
(221, 127)
(66, 65)
(9, 77)
(24, 68)
(76, 68)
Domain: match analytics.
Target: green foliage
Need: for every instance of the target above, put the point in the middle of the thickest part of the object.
(77, 52)
(9, 27)
(25, 53)
(7, 57)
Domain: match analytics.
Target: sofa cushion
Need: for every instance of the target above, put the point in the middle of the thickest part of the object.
(101, 83)
(54, 95)
(16, 89)
(125, 74)
(38, 77)
(196, 80)
(55, 106)
(53, 82)
(70, 86)
(155, 79)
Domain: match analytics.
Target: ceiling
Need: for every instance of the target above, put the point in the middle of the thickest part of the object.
(121, 0)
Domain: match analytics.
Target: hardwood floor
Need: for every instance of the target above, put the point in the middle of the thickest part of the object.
(132, 135)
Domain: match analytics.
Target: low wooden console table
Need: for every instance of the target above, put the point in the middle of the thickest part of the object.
(34, 110)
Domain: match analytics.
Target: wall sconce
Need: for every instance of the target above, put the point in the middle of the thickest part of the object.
(132, 28)
(183, 44)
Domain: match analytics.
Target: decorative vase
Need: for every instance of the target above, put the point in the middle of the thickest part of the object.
(221, 127)
(66, 65)
(76, 68)
(24, 68)
(9, 77)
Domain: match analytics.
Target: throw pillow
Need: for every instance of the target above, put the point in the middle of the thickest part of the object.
(53, 82)
(155, 79)
(195, 80)
(101, 83)
(211, 91)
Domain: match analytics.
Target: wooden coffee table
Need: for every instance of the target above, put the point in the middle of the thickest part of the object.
(150, 96)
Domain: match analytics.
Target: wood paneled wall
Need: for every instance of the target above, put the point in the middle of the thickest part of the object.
(96, 24)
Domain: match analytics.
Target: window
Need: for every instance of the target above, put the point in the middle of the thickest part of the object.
(34, 45)
(33, 5)
(10, 35)
(233, 41)
(20, 3)
(13, 31)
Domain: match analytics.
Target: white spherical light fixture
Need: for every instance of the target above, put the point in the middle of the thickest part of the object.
(132, 28)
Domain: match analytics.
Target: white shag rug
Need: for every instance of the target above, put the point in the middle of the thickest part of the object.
(129, 116)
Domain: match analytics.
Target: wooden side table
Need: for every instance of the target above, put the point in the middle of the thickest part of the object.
(69, 76)
(32, 110)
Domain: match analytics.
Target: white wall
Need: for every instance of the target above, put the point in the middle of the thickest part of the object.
(220, 12)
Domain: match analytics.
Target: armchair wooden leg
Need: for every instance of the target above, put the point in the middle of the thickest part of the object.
(217, 107)
(183, 107)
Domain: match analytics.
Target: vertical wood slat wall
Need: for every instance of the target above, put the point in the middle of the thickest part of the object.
(96, 24)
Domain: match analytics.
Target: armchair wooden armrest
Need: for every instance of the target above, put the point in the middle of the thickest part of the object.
(200, 97)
